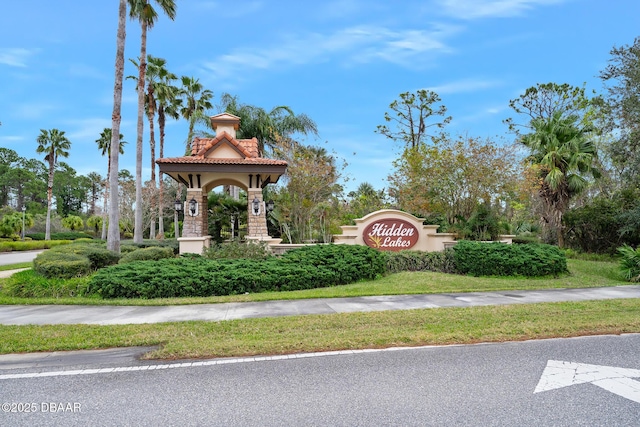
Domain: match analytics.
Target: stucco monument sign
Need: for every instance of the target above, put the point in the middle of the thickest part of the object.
(390, 234)
(394, 230)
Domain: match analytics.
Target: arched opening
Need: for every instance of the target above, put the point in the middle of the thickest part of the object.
(223, 160)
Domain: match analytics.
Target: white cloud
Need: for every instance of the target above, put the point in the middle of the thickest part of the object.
(474, 9)
(407, 48)
(464, 86)
(32, 110)
(355, 45)
(89, 128)
(15, 57)
(9, 139)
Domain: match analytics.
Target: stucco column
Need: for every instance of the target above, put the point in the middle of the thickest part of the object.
(256, 224)
(195, 226)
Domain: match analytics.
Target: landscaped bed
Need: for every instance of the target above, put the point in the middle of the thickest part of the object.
(309, 333)
(406, 273)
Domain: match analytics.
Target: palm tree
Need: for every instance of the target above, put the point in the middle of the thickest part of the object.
(564, 155)
(104, 144)
(143, 11)
(156, 71)
(197, 100)
(113, 238)
(54, 144)
(269, 128)
(168, 105)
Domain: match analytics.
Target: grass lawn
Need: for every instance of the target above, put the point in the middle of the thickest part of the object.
(282, 335)
(583, 274)
(16, 266)
(292, 334)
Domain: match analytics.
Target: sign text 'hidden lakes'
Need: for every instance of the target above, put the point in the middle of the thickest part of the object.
(390, 235)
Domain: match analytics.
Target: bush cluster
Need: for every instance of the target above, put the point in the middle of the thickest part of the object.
(350, 262)
(31, 245)
(441, 262)
(129, 246)
(236, 249)
(151, 253)
(498, 259)
(305, 268)
(71, 235)
(73, 260)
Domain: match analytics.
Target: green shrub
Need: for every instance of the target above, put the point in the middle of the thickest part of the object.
(305, 268)
(78, 258)
(499, 259)
(31, 245)
(147, 243)
(236, 249)
(73, 235)
(525, 240)
(99, 256)
(630, 263)
(442, 262)
(29, 284)
(61, 265)
(351, 262)
(152, 253)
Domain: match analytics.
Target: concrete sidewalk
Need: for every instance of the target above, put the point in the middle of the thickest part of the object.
(112, 315)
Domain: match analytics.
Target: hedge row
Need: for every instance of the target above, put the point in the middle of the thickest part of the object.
(151, 253)
(154, 272)
(305, 268)
(498, 259)
(71, 235)
(129, 246)
(441, 262)
(31, 245)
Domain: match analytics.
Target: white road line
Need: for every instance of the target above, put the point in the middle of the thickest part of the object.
(196, 364)
(210, 362)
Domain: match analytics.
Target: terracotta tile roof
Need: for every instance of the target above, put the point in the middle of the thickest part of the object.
(251, 145)
(207, 161)
(246, 147)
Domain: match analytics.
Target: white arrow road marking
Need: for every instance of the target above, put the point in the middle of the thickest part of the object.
(560, 374)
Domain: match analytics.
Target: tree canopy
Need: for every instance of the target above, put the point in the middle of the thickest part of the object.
(412, 116)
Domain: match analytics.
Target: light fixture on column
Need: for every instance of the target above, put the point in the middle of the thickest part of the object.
(193, 207)
(255, 206)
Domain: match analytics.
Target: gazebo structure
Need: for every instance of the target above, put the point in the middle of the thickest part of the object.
(223, 160)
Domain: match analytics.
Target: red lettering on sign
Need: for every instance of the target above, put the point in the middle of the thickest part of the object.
(390, 235)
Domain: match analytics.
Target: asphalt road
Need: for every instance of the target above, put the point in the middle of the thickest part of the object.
(470, 385)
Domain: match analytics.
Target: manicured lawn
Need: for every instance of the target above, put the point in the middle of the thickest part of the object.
(311, 333)
(583, 274)
(16, 266)
(282, 335)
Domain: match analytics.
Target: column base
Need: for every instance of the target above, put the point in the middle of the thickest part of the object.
(267, 239)
(194, 245)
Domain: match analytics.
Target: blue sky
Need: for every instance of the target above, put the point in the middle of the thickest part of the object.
(340, 62)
